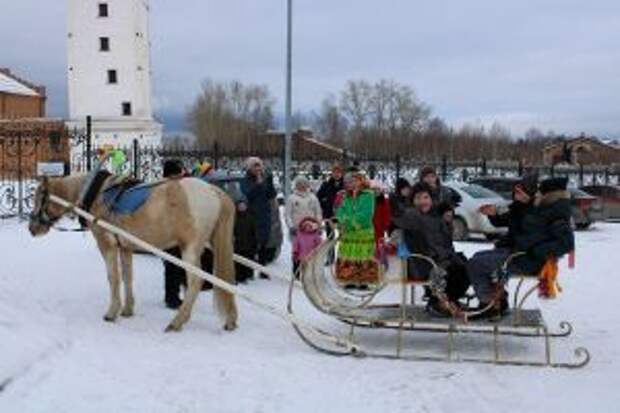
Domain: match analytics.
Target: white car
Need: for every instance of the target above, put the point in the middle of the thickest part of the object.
(467, 219)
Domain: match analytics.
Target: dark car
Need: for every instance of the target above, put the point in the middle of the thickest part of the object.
(609, 196)
(586, 209)
(231, 184)
(501, 185)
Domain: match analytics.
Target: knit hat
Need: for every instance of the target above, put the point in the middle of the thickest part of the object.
(426, 170)
(251, 161)
(421, 187)
(553, 184)
(172, 167)
(400, 184)
(301, 180)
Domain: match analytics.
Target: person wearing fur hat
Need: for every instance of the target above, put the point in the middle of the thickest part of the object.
(444, 199)
(329, 189)
(245, 238)
(301, 205)
(538, 225)
(257, 186)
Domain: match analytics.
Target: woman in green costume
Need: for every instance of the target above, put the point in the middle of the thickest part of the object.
(356, 251)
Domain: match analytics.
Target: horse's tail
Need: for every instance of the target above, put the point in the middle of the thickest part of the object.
(224, 267)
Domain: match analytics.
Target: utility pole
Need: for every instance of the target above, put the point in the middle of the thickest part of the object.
(288, 138)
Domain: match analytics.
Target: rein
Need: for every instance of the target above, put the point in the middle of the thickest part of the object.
(91, 192)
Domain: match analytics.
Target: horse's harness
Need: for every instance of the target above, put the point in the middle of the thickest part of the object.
(42, 217)
(89, 194)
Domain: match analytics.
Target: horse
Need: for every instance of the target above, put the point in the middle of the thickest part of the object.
(185, 212)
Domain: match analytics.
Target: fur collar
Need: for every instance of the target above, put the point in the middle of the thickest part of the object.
(551, 197)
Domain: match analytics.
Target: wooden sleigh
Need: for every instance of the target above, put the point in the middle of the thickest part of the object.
(362, 310)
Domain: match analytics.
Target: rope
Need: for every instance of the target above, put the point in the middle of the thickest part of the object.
(232, 289)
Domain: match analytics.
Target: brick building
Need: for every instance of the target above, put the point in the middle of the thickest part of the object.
(25, 143)
(582, 150)
(19, 98)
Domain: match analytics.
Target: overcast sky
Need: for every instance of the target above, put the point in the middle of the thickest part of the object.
(553, 64)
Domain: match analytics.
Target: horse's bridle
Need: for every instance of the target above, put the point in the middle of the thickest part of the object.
(40, 215)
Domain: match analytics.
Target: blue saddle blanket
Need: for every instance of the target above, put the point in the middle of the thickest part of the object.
(124, 201)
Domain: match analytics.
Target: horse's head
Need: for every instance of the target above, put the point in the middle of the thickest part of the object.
(45, 213)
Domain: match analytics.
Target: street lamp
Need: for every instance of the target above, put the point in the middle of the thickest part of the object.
(288, 138)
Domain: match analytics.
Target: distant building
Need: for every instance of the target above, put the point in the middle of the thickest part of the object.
(25, 143)
(19, 98)
(582, 150)
(109, 71)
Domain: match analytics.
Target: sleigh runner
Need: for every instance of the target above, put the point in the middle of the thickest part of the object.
(361, 310)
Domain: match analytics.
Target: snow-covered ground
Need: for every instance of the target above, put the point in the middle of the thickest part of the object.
(57, 354)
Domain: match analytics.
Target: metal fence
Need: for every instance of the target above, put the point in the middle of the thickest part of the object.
(21, 152)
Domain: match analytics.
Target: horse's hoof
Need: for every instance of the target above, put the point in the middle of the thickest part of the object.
(127, 313)
(230, 326)
(109, 319)
(172, 328)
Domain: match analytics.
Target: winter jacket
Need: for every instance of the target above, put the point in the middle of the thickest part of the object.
(304, 243)
(445, 199)
(301, 205)
(541, 230)
(427, 234)
(275, 234)
(245, 233)
(512, 219)
(546, 230)
(327, 195)
(259, 196)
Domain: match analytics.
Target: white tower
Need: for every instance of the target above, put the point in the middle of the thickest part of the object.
(109, 75)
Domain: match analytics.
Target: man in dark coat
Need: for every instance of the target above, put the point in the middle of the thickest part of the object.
(259, 190)
(426, 233)
(443, 197)
(328, 191)
(327, 194)
(400, 199)
(538, 225)
(174, 276)
(245, 239)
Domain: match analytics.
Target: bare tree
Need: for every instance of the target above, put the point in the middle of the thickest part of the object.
(330, 123)
(230, 113)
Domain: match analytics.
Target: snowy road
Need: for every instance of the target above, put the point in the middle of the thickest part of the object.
(57, 355)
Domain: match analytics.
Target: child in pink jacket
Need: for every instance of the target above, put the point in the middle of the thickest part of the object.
(308, 237)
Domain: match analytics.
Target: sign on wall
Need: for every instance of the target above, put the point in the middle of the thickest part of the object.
(50, 169)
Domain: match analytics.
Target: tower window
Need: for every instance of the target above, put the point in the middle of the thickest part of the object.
(103, 9)
(112, 77)
(126, 108)
(104, 44)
